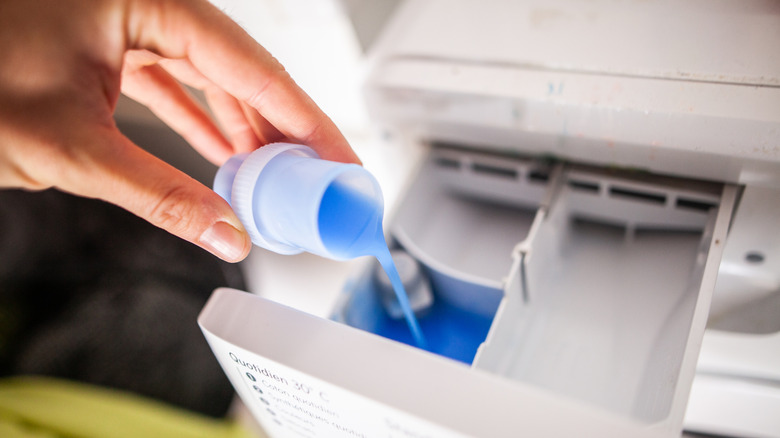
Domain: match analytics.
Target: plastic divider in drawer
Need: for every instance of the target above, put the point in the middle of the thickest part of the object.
(590, 283)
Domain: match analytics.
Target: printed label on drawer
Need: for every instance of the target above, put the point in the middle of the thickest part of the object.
(288, 403)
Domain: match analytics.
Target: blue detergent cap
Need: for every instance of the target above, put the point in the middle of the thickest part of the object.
(290, 201)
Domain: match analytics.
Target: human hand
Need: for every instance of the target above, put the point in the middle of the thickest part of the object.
(63, 64)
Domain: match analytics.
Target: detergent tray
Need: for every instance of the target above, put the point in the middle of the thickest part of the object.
(558, 291)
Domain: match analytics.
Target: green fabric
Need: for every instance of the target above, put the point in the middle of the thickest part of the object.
(37, 407)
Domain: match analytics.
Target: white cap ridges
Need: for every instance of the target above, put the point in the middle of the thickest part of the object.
(242, 195)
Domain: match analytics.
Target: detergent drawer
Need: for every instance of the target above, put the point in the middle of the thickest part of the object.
(304, 376)
(568, 301)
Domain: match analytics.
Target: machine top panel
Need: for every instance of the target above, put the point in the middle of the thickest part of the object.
(722, 41)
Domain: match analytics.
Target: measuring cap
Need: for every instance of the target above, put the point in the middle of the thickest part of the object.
(290, 201)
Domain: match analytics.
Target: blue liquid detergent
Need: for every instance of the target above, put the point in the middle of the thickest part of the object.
(450, 331)
(350, 225)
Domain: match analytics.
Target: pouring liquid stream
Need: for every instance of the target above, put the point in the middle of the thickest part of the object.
(351, 225)
(388, 265)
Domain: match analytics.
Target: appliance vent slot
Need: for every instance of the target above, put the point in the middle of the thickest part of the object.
(624, 192)
(585, 186)
(693, 204)
(448, 163)
(488, 169)
(538, 176)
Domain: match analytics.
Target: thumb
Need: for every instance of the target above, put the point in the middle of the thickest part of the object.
(126, 175)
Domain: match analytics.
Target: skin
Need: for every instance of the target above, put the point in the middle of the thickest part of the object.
(63, 64)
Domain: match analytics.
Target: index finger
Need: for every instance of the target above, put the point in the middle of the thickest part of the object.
(230, 58)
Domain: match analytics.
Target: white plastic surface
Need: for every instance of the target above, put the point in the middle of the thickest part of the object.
(321, 378)
(608, 304)
(461, 219)
(688, 88)
(737, 387)
(607, 316)
(607, 344)
(718, 41)
(615, 273)
(747, 295)
(731, 406)
(742, 356)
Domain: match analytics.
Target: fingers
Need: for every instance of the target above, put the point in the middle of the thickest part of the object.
(233, 120)
(244, 126)
(229, 58)
(164, 196)
(246, 129)
(152, 86)
(153, 82)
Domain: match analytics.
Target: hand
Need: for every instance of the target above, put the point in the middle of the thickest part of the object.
(63, 64)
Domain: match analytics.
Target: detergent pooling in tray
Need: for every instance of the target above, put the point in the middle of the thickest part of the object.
(450, 330)
(291, 201)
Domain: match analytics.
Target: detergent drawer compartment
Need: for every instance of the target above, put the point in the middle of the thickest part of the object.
(591, 284)
(573, 297)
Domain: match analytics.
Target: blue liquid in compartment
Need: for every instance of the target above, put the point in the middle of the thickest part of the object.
(449, 331)
(350, 225)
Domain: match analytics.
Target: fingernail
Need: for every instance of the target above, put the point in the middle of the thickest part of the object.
(224, 241)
